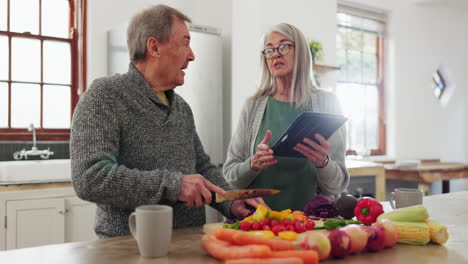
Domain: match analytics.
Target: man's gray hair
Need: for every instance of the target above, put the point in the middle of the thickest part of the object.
(155, 21)
(303, 82)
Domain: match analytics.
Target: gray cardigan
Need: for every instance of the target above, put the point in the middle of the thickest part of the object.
(129, 149)
(332, 179)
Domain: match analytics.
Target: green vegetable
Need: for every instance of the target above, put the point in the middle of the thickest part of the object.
(236, 225)
(333, 224)
(417, 213)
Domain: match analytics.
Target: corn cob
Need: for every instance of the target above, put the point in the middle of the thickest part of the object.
(417, 213)
(439, 233)
(413, 233)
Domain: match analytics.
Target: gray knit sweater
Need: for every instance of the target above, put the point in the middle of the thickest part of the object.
(129, 149)
(332, 179)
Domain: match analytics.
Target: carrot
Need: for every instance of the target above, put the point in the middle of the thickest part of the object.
(308, 256)
(265, 261)
(223, 250)
(242, 238)
(226, 234)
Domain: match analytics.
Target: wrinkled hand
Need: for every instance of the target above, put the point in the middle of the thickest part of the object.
(195, 190)
(239, 207)
(317, 154)
(263, 158)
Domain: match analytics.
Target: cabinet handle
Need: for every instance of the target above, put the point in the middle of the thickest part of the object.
(63, 212)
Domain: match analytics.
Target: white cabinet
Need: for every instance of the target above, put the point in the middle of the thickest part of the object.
(43, 217)
(33, 223)
(79, 220)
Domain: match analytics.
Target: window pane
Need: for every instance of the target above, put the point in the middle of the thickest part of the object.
(3, 104)
(24, 16)
(354, 66)
(355, 40)
(370, 43)
(341, 63)
(57, 104)
(341, 38)
(25, 60)
(360, 105)
(57, 62)
(25, 105)
(3, 15)
(372, 118)
(369, 68)
(55, 16)
(4, 58)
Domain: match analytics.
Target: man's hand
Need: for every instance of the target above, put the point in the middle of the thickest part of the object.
(239, 207)
(195, 190)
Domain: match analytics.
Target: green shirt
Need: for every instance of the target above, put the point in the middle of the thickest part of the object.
(295, 177)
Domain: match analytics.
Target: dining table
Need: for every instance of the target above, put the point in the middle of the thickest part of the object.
(450, 209)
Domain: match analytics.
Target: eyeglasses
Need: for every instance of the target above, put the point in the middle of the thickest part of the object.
(282, 49)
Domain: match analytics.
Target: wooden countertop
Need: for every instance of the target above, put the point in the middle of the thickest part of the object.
(449, 209)
(34, 186)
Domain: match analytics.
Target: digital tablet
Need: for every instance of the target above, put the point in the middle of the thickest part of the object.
(307, 125)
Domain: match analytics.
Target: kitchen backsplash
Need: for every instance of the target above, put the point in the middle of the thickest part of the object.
(61, 149)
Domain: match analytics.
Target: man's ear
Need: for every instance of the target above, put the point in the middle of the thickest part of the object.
(153, 47)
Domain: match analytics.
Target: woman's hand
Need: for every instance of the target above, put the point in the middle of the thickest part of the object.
(317, 154)
(263, 158)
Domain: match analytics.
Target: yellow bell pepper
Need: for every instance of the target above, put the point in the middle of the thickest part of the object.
(290, 217)
(288, 235)
(263, 233)
(260, 213)
(275, 215)
(249, 219)
(286, 212)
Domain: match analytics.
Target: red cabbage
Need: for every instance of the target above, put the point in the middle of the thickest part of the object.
(321, 206)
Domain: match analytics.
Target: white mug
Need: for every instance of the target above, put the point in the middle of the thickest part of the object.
(404, 197)
(151, 226)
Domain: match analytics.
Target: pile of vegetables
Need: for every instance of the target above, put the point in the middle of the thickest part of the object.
(268, 223)
(292, 237)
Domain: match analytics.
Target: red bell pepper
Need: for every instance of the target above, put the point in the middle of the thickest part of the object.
(367, 210)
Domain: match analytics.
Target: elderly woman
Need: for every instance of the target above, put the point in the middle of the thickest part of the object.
(286, 90)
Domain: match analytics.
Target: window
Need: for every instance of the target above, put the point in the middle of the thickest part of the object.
(360, 84)
(42, 66)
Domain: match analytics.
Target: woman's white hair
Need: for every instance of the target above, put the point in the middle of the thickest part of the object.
(303, 82)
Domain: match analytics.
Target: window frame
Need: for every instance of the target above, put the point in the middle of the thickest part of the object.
(380, 84)
(77, 40)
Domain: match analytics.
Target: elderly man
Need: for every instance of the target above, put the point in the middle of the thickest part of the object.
(133, 139)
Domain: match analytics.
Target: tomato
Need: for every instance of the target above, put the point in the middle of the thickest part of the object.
(245, 226)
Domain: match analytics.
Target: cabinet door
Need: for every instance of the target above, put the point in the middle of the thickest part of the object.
(35, 222)
(79, 220)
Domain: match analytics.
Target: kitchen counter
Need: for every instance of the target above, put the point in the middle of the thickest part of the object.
(358, 168)
(449, 209)
(34, 185)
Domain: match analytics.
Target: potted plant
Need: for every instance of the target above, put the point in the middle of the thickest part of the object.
(316, 50)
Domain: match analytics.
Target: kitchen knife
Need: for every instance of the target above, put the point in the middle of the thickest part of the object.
(245, 194)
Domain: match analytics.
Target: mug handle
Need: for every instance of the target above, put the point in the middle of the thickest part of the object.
(392, 198)
(132, 224)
